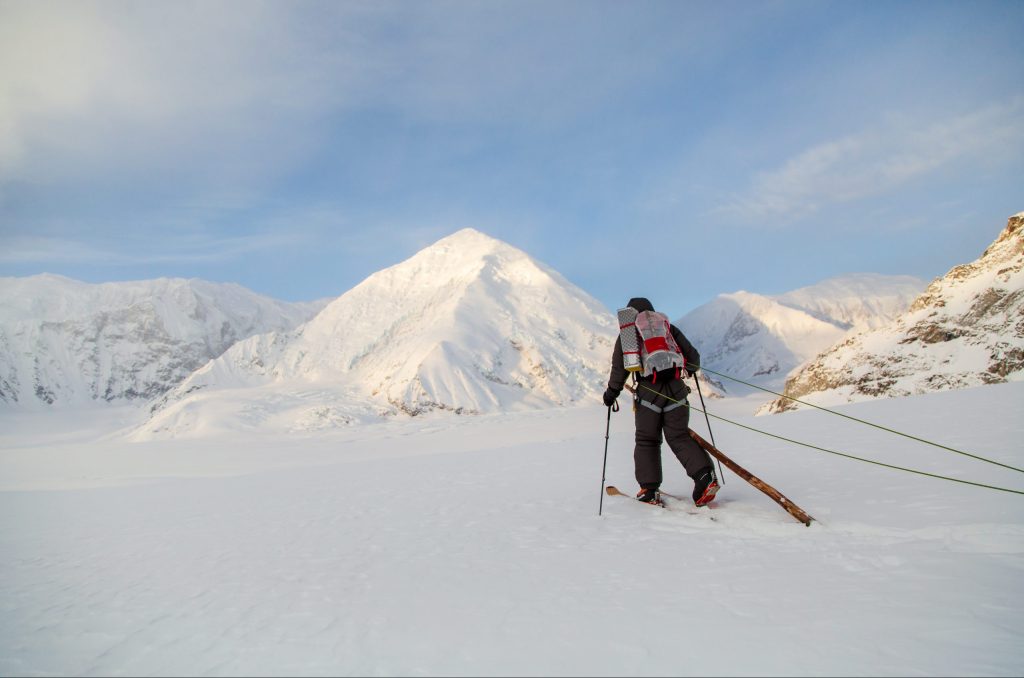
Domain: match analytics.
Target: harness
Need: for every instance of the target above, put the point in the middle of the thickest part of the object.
(661, 410)
(674, 402)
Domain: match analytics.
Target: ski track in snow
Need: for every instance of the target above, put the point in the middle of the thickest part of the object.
(472, 546)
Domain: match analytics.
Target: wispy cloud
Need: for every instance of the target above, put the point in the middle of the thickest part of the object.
(49, 250)
(881, 159)
(55, 250)
(237, 88)
(232, 91)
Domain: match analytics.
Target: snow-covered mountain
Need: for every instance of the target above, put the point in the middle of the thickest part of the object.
(762, 338)
(469, 324)
(966, 329)
(859, 301)
(67, 342)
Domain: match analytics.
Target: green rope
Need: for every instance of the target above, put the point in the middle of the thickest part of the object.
(838, 454)
(868, 423)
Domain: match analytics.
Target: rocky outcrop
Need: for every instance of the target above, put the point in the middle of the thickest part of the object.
(965, 329)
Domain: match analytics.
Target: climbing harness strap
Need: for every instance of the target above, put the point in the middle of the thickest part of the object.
(660, 410)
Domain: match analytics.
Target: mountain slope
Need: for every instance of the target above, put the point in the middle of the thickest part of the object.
(966, 329)
(469, 324)
(67, 342)
(762, 338)
(858, 301)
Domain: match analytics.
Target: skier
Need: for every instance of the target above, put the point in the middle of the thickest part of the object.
(661, 408)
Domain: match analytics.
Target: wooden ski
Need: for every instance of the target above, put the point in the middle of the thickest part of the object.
(791, 508)
(616, 492)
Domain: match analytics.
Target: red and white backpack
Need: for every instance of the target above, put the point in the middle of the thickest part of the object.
(647, 342)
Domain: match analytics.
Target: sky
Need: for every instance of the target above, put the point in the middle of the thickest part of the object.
(674, 150)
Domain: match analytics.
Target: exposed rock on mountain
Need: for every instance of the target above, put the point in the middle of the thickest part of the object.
(66, 342)
(966, 329)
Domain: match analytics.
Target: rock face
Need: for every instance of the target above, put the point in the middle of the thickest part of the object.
(467, 325)
(64, 342)
(966, 329)
(762, 338)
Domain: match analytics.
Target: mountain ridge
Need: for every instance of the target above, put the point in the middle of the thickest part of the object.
(965, 329)
(65, 342)
(762, 338)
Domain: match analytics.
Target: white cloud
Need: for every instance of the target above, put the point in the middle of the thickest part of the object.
(50, 250)
(236, 89)
(50, 63)
(229, 90)
(882, 159)
(142, 250)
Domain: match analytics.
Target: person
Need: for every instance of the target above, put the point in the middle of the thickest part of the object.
(661, 409)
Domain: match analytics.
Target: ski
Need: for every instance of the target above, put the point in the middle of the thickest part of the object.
(616, 492)
(776, 496)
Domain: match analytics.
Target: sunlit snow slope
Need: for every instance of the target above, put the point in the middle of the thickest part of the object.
(966, 329)
(65, 342)
(762, 338)
(469, 324)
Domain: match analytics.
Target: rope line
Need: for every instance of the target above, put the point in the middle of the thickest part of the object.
(868, 423)
(838, 454)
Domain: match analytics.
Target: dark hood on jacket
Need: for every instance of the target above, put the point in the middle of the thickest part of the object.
(640, 304)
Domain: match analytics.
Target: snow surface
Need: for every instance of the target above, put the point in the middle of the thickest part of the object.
(442, 545)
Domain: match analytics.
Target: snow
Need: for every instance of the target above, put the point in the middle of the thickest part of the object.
(963, 330)
(280, 513)
(441, 545)
(859, 300)
(469, 325)
(64, 342)
(762, 338)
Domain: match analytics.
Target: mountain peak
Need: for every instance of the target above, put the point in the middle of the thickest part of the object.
(1013, 233)
(469, 324)
(450, 264)
(467, 241)
(467, 234)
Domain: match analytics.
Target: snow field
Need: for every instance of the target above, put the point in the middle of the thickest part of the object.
(471, 546)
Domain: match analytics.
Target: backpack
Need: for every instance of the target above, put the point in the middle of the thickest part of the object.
(647, 342)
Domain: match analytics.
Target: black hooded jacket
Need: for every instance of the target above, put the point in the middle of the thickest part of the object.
(619, 375)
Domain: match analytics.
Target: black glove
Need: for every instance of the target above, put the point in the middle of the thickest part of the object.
(609, 397)
(691, 369)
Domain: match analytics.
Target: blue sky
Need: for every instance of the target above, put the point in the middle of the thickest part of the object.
(675, 150)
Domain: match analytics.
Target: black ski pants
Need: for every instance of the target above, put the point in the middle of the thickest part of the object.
(658, 413)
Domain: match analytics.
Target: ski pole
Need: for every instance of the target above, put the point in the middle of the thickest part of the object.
(705, 408)
(614, 406)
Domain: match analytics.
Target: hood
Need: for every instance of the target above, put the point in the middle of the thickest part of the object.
(641, 304)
